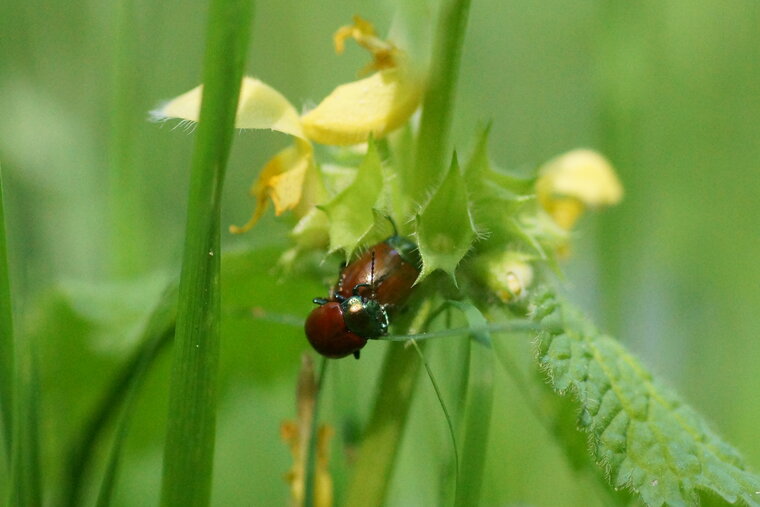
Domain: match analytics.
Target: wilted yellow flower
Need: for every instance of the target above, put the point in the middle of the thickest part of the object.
(385, 55)
(577, 180)
(281, 180)
(298, 435)
(353, 112)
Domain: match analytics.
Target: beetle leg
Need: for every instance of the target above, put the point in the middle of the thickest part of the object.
(358, 286)
(320, 301)
(340, 298)
(356, 354)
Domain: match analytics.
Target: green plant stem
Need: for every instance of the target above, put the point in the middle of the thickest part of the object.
(7, 349)
(382, 436)
(128, 217)
(432, 156)
(311, 455)
(189, 449)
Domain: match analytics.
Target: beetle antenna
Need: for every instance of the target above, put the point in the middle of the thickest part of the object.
(393, 224)
(372, 276)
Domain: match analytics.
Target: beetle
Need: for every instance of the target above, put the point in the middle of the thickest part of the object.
(327, 332)
(386, 272)
(367, 290)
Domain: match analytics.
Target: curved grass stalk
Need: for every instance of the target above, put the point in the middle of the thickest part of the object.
(446, 414)
(158, 334)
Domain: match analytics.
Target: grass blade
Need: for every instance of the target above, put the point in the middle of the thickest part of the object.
(26, 483)
(157, 335)
(7, 349)
(189, 449)
(146, 358)
(19, 393)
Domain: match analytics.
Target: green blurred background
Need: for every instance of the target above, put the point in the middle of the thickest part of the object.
(669, 91)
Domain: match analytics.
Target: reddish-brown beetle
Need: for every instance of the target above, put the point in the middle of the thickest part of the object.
(327, 332)
(385, 272)
(367, 290)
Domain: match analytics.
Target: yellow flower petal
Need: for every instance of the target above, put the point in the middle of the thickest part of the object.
(384, 54)
(281, 180)
(260, 107)
(374, 105)
(574, 181)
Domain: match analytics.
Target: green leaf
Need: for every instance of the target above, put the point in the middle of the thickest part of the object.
(477, 408)
(642, 433)
(350, 212)
(189, 449)
(445, 230)
(479, 164)
(480, 172)
(248, 288)
(495, 197)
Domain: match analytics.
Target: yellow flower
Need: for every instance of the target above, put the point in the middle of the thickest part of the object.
(373, 106)
(574, 181)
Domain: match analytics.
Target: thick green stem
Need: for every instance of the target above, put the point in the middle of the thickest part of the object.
(189, 450)
(382, 437)
(432, 157)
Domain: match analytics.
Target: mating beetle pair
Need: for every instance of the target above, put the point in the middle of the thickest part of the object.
(367, 290)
